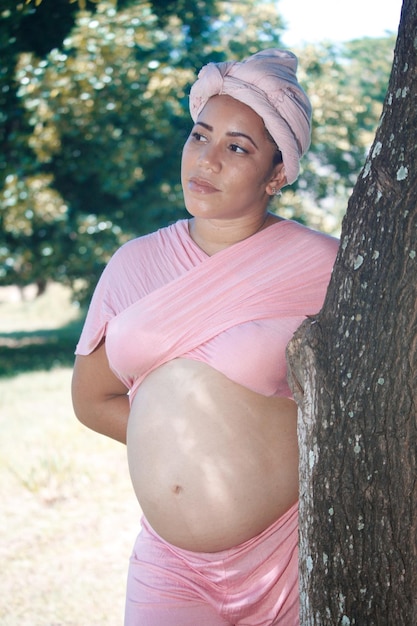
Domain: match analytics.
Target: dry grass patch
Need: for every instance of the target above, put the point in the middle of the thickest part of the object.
(68, 517)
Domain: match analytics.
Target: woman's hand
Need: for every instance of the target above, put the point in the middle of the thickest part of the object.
(99, 398)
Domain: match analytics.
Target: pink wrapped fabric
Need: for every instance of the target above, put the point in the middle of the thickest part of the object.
(267, 83)
(161, 298)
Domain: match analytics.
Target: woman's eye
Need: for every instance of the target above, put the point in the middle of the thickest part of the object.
(238, 149)
(198, 136)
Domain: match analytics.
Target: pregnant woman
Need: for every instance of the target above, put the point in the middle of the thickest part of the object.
(182, 356)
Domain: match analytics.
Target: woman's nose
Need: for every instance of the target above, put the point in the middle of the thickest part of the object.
(210, 158)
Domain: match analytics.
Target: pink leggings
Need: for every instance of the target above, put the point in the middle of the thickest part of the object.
(253, 584)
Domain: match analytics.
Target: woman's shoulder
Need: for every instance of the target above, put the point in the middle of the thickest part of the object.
(150, 242)
(308, 239)
(301, 230)
(152, 259)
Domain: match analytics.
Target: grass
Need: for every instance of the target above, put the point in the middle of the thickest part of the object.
(37, 334)
(68, 516)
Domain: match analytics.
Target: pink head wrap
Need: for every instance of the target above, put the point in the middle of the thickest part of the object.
(267, 83)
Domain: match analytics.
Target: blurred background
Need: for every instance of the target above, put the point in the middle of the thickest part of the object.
(93, 116)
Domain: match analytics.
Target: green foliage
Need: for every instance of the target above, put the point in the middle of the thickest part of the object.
(14, 131)
(107, 120)
(102, 107)
(347, 86)
(46, 23)
(97, 113)
(108, 113)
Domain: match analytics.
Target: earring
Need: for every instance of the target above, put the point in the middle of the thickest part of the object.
(276, 192)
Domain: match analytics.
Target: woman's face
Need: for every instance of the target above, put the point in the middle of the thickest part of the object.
(227, 162)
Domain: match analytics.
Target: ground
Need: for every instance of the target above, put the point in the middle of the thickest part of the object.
(68, 517)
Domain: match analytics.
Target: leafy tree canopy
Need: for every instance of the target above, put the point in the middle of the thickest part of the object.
(94, 124)
(347, 86)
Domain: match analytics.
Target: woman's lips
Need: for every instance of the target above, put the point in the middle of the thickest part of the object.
(199, 185)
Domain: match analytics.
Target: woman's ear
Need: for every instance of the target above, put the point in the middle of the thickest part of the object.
(278, 180)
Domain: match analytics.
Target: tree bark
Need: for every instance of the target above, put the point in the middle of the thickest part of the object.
(353, 370)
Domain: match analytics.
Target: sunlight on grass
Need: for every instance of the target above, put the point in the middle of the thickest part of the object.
(51, 310)
(69, 516)
(37, 333)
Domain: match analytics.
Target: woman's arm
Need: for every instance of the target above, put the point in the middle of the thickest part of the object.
(99, 398)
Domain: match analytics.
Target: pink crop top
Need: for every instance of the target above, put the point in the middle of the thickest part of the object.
(153, 304)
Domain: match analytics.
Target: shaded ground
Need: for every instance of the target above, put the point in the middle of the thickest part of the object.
(68, 516)
(37, 334)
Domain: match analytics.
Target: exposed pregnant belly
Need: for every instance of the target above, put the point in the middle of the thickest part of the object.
(212, 463)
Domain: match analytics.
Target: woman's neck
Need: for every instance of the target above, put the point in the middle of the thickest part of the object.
(215, 235)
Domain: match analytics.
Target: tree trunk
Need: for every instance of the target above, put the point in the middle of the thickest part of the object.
(354, 374)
